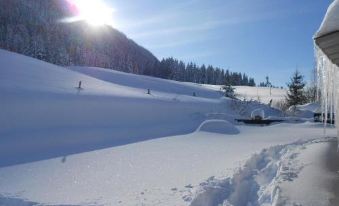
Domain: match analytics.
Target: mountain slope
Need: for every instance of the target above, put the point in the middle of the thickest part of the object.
(44, 115)
(34, 28)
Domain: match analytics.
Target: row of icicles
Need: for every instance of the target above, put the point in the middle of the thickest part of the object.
(327, 84)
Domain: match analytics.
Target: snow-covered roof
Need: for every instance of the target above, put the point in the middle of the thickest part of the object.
(330, 23)
(327, 37)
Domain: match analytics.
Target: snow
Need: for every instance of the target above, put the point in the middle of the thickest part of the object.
(218, 126)
(260, 94)
(20, 73)
(307, 166)
(160, 171)
(41, 100)
(306, 111)
(111, 143)
(311, 107)
(328, 72)
(291, 174)
(331, 20)
(258, 113)
(168, 87)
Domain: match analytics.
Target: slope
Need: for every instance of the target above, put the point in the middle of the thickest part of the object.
(44, 115)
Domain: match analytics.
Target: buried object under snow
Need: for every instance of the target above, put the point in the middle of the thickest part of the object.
(258, 118)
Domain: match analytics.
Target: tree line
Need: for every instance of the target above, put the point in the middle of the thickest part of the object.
(174, 69)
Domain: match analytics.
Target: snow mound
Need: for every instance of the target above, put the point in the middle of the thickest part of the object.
(304, 111)
(312, 107)
(331, 20)
(258, 113)
(218, 126)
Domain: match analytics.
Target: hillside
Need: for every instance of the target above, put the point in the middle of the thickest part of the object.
(41, 100)
(111, 143)
(35, 28)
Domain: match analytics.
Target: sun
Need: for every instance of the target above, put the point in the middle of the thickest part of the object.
(95, 12)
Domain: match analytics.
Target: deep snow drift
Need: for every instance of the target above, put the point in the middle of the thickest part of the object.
(166, 171)
(44, 115)
(111, 143)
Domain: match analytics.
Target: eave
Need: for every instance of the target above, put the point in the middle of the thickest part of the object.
(329, 44)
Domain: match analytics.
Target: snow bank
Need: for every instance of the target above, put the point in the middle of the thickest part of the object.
(331, 20)
(261, 180)
(44, 115)
(312, 107)
(304, 111)
(218, 126)
(163, 171)
(146, 82)
(84, 137)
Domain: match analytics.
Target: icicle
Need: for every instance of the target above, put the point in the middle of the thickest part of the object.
(327, 83)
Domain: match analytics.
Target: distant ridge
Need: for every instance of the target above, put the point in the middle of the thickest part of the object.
(34, 28)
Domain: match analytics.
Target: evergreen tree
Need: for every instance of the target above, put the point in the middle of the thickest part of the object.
(229, 91)
(251, 82)
(296, 94)
(268, 83)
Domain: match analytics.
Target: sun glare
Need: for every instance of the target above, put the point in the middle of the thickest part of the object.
(95, 12)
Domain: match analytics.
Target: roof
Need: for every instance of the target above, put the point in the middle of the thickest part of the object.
(329, 44)
(327, 37)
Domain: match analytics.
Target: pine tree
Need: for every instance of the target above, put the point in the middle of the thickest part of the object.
(251, 82)
(229, 91)
(268, 83)
(296, 94)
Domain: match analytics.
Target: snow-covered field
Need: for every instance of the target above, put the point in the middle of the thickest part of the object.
(165, 171)
(111, 143)
(261, 94)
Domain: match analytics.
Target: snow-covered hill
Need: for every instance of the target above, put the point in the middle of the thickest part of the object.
(42, 110)
(144, 82)
(111, 143)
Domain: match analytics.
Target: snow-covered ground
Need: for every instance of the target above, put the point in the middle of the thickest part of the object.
(167, 171)
(261, 94)
(44, 115)
(111, 143)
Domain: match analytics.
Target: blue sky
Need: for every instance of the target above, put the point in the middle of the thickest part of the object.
(259, 37)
